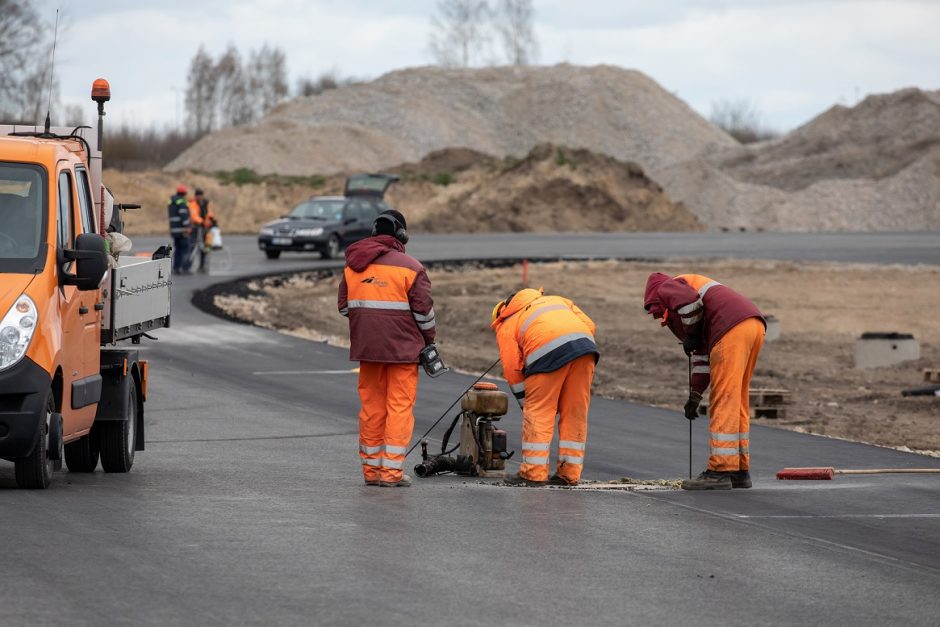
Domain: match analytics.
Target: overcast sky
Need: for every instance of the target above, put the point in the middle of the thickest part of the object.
(791, 58)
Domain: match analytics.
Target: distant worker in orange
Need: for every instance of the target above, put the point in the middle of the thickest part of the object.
(547, 348)
(202, 219)
(386, 295)
(722, 332)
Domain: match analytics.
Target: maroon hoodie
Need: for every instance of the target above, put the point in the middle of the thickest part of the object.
(386, 295)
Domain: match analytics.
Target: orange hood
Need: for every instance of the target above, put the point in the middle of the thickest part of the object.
(518, 302)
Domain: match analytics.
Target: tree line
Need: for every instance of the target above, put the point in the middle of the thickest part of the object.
(475, 32)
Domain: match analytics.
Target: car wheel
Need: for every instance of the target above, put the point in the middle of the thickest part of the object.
(272, 254)
(82, 455)
(34, 472)
(118, 438)
(332, 247)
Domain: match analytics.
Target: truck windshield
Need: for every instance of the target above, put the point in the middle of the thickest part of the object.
(22, 217)
(319, 210)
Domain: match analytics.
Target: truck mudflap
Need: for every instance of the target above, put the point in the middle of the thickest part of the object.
(120, 369)
(23, 392)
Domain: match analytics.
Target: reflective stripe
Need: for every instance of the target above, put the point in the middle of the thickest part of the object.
(371, 462)
(744, 449)
(423, 317)
(395, 450)
(706, 287)
(175, 218)
(577, 446)
(571, 459)
(393, 463)
(379, 304)
(424, 326)
(724, 451)
(344, 311)
(701, 370)
(684, 311)
(550, 346)
(692, 320)
(536, 446)
(745, 435)
(700, 358)
(537, 461)
(517, 387)
(536, 314)
(370, 450)
(724, 437)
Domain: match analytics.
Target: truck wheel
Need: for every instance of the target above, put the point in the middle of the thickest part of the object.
(272, 254)
(34, 472)
(332, 247)
(82, 455)
(117, 438)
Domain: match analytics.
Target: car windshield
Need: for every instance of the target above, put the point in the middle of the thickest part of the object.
(22, 194)
(319, 210)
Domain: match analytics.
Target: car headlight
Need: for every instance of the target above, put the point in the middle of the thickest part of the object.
(16, 331)
(267, 231)
(309, 232)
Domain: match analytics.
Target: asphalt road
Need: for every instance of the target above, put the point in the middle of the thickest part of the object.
(247, 506)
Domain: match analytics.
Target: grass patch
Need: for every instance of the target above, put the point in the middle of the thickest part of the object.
(443, 178)
(247, 176)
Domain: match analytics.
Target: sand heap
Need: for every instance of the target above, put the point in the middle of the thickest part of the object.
(875, 166)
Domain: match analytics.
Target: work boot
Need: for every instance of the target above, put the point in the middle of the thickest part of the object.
(741, 479)
(404, 482)
(558, 480)
(372, 482)
(519, 480)
(709, 480)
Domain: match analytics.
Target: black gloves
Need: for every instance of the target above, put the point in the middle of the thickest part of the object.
(691, 344)
(691, 405)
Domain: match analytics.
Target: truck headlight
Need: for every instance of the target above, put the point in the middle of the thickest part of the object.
(16, 331)
(309, 232)
(267, 231)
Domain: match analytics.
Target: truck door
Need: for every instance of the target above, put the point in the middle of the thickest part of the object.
(89, 311)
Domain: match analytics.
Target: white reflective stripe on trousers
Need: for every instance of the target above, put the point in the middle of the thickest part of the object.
(395, 450)
(571, 459)
(370, 450)
(371, 462)
(572, 444)
(724, 451)
(535, 446)
(393, 463)
(537, 461)
(724, 437)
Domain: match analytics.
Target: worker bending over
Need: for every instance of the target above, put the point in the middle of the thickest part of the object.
(546, 345)
(722, 333)
(386, 295)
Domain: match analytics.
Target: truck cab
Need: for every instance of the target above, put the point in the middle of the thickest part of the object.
(67, 393)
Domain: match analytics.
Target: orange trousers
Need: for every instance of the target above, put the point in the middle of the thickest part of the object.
(565, 393)
(732, 362)
(387, 393)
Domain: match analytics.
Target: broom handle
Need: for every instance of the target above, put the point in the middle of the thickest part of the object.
(878, 471)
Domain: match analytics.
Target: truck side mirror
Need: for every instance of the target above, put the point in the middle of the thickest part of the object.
(91, 262)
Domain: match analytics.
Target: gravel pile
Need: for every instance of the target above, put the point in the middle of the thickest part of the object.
(875, 166)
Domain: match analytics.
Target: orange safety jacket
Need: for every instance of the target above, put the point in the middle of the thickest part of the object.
(693, 305)
(386, 295)
(538, 333)
(199, 217)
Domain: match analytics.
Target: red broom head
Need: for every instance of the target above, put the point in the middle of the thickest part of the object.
(805, 473)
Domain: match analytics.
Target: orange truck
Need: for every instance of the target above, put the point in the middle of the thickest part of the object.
(68, 392)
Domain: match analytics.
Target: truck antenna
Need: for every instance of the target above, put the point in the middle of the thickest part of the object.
(55, 40)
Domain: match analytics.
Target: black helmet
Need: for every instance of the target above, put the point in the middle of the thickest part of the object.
(391, 222)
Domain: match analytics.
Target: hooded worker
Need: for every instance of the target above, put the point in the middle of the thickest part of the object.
(546, 345)
(386, 295)
(180, 229)
(722, 332)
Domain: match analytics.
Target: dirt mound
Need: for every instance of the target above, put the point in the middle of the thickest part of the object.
(556, 189)
(405, 115)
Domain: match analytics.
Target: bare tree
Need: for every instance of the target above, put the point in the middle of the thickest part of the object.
(201, 93)
(459, 32)
(741, 119)
(513, 21)
(25, 49)
(235, 102)
(267, 71)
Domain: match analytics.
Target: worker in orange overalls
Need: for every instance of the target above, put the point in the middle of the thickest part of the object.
(546, 345)
(722, 333)
(386, 295)
(202, 219)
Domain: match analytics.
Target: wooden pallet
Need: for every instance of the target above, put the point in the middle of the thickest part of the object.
(769, 397)
(773, 413)
(932, 375)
